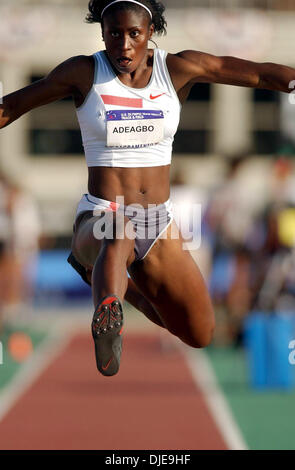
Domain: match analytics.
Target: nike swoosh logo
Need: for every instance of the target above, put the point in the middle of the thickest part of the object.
(157, 96)
(105, 368)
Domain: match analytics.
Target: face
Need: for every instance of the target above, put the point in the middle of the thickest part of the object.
(126, 34)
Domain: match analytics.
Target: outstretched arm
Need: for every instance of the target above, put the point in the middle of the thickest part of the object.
(201, 67)
(61, 82)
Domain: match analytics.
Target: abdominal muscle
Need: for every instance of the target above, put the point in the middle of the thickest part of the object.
(149, 185)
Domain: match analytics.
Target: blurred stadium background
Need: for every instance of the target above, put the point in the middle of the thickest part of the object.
(233, 154)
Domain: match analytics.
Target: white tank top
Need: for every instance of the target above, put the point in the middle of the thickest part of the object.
(129, 127)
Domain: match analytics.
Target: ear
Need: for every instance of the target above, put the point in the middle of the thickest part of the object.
(152, 30)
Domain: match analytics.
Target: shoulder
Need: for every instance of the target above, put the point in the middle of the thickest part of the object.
(184, 62)
(76, 66)
(73, 75)
(80, 61)
(189, 58)
(182, 69)
(183, 57)
(194, 65)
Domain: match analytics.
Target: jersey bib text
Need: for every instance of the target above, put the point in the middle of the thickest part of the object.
(134, 128)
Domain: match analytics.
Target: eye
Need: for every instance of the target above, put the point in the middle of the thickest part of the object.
(114, 34)
(134, 33)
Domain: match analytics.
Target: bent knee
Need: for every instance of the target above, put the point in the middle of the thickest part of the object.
(198, 338)
(199, 341)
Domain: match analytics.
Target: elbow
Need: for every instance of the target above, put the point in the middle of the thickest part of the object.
(5, 117)
(2, 122)
(7, 110)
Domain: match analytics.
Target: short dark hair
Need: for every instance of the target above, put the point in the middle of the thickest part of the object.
(96, 7)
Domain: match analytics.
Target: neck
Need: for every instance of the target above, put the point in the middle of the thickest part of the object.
(140, 77)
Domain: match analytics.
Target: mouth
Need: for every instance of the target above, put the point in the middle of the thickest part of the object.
(124, 61)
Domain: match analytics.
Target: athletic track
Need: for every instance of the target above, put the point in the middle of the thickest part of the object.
(153, 403)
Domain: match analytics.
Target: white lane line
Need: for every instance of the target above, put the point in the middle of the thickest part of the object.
(52, 346)
(205, 379)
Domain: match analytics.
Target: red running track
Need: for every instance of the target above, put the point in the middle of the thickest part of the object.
(151, 404)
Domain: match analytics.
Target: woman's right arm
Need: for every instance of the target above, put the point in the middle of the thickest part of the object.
(63, 81)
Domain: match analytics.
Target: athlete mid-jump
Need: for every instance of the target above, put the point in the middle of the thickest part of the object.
(128, 100)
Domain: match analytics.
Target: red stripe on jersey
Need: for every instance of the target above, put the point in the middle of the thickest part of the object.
(121, 101)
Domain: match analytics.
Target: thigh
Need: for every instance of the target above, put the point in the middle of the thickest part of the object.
(85, 247)
(171, 280)
(92, 233)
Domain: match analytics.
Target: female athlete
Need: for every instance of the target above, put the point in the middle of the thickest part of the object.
(128, 100)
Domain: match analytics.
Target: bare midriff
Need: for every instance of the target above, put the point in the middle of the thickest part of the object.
(137, 185)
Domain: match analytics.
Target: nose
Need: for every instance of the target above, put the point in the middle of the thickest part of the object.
(125, 42)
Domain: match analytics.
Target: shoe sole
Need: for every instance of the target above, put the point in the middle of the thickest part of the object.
(106, 330)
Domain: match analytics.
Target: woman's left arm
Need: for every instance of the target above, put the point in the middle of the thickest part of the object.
(202, 67)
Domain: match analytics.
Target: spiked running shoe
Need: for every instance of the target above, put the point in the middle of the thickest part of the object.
(107, 326)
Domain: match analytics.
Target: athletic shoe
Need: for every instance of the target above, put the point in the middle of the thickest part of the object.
(107, 326)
